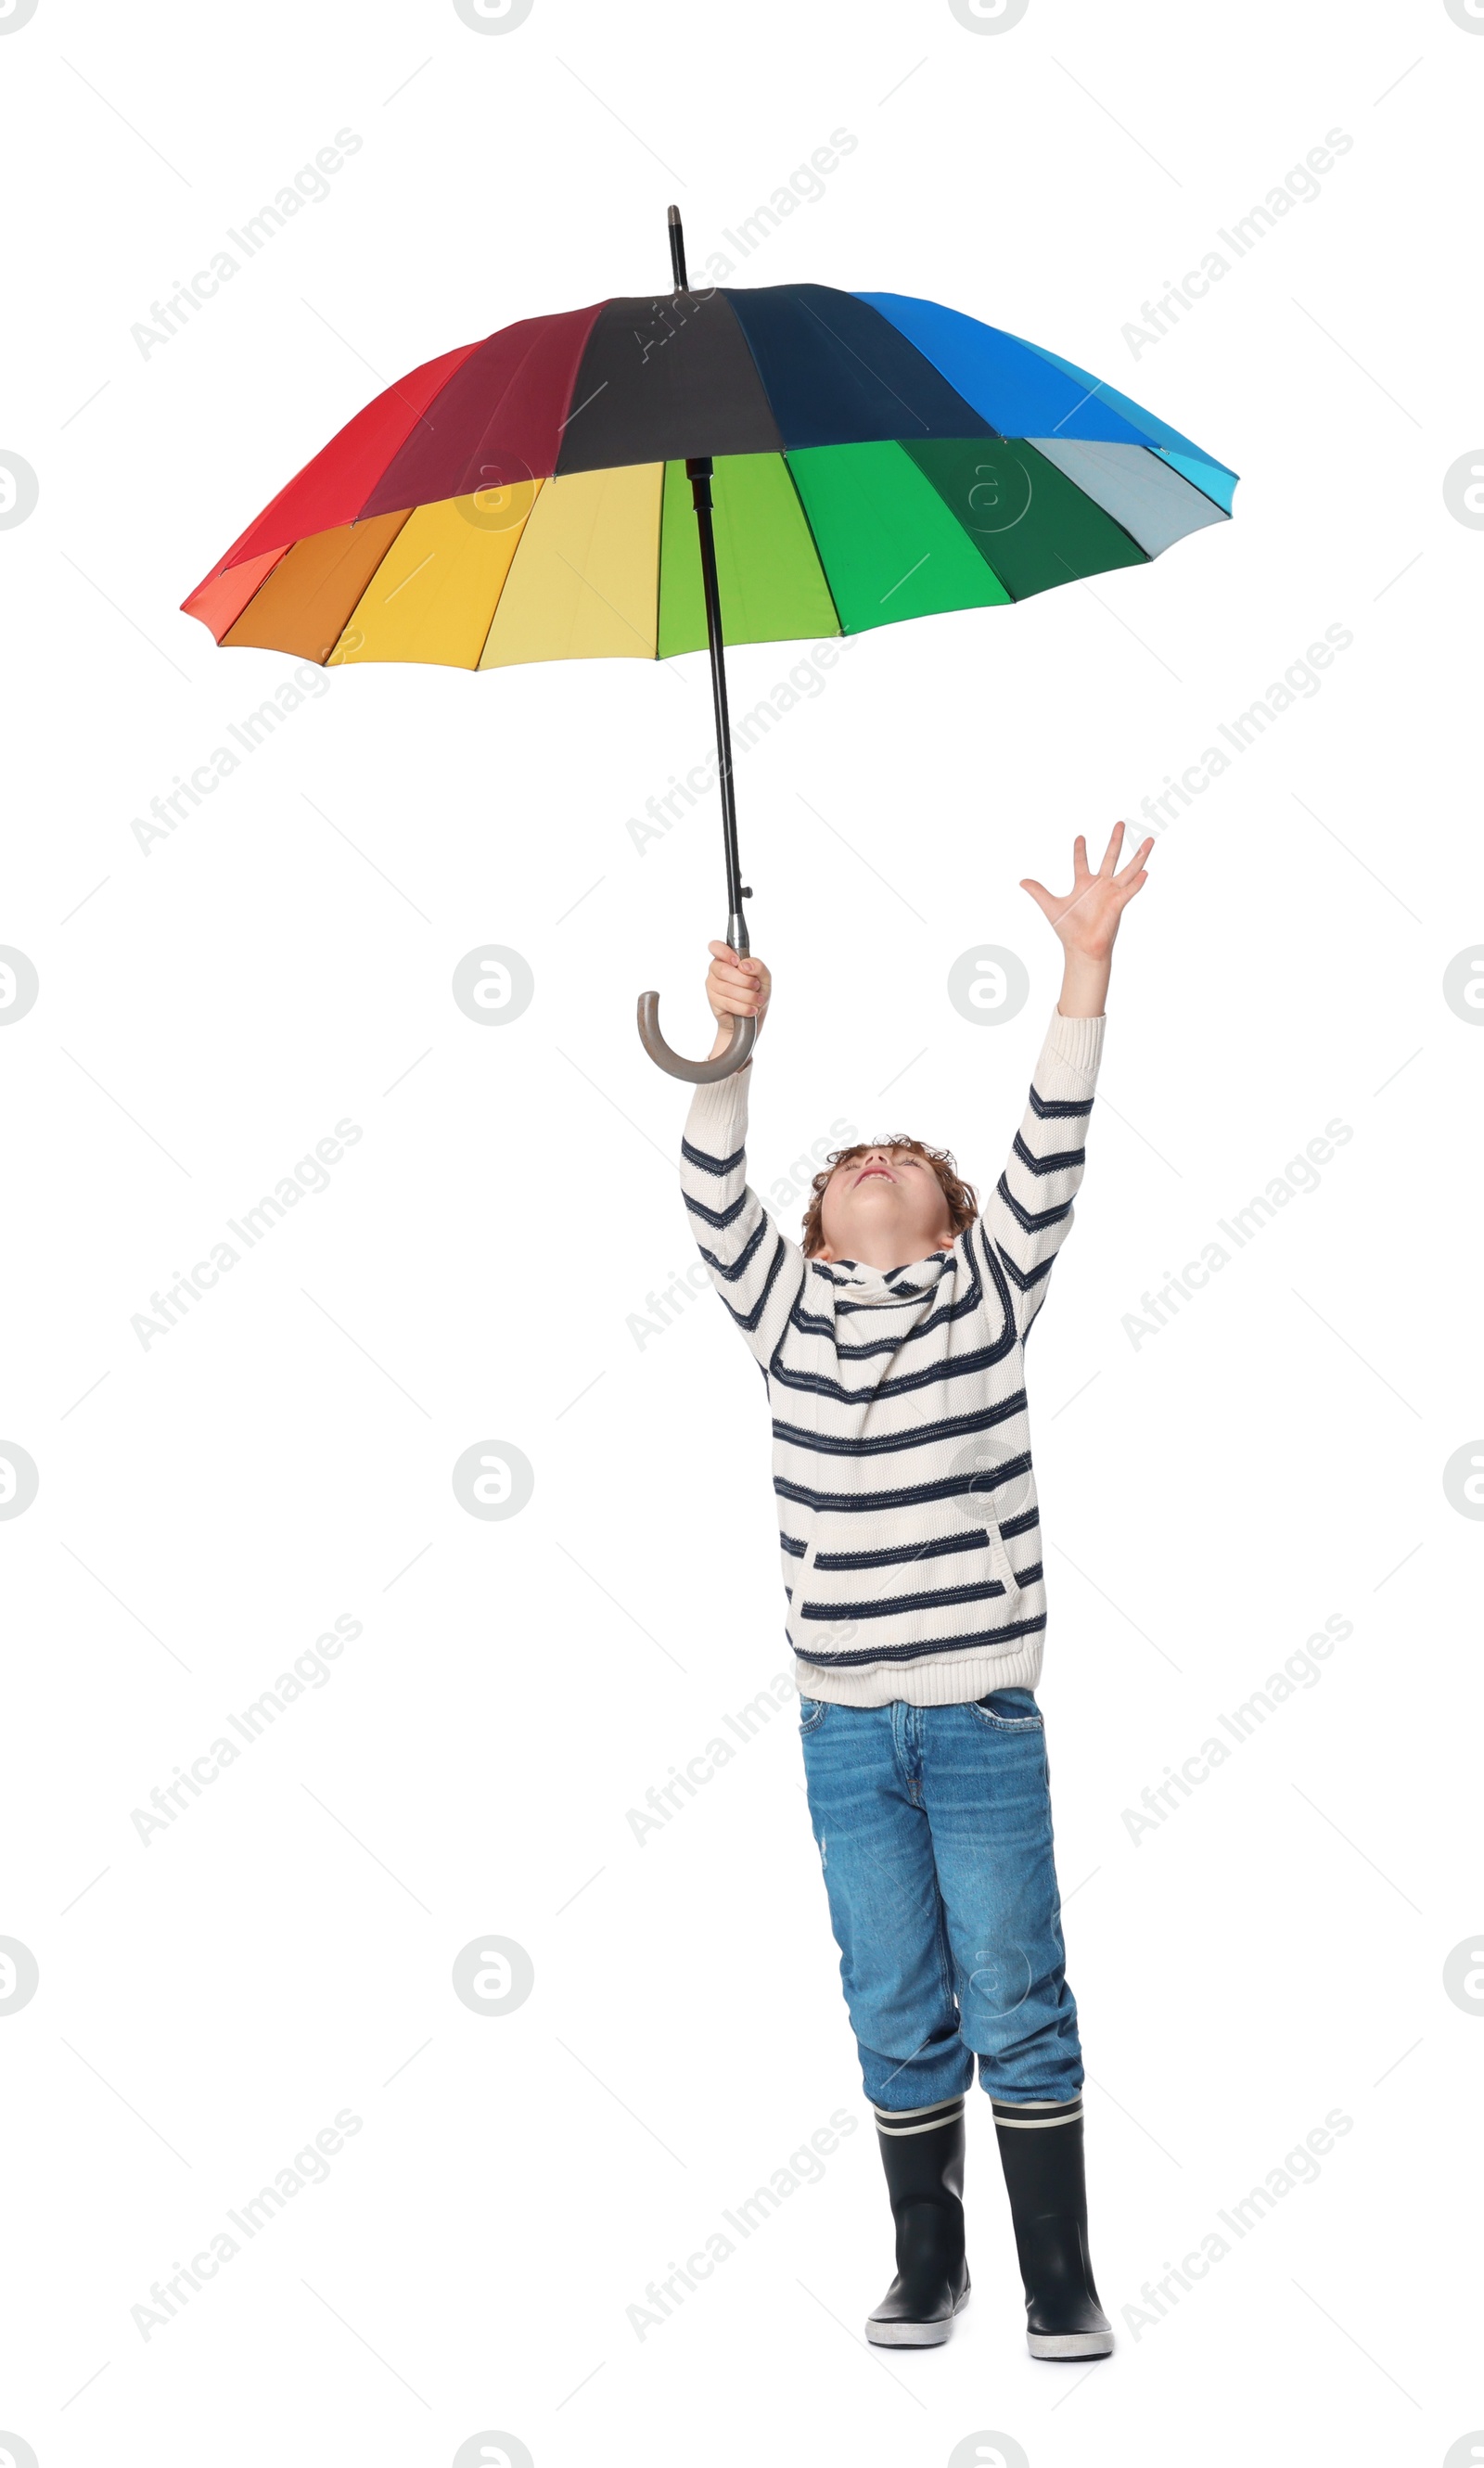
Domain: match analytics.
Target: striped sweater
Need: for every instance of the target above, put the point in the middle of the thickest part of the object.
(901, 1458)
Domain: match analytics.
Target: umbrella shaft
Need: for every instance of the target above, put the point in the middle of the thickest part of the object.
(698, 468)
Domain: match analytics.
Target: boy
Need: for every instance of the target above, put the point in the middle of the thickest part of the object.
(891, 1346)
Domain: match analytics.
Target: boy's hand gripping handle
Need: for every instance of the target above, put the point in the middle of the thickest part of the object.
(719, 1066)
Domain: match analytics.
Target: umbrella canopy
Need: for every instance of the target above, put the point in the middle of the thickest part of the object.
(852, 458)
(875, 457)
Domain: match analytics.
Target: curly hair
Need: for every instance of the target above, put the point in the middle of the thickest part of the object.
(959, 1197)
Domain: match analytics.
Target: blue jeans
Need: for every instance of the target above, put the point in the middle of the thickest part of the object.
(933, 1824)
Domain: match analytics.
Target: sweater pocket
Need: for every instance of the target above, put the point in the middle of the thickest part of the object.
(853, 1590)
(999, 1556)
(823, 1624)
(999, 1496)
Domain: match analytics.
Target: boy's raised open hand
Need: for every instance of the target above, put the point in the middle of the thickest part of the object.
(736, 988)
(1085, 919)
(1086, 916)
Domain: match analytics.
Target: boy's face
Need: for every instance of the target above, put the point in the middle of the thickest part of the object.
(885, 1208)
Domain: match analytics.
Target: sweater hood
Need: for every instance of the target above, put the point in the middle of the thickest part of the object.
(859, 1286)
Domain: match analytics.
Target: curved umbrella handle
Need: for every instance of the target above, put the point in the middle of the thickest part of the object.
(719, 1066)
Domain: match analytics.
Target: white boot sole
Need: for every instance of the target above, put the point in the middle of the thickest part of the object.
(1069, 2343)
(914, 2335)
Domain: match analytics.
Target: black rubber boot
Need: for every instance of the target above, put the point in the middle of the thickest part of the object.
(1040, 2149)
(923, 2154)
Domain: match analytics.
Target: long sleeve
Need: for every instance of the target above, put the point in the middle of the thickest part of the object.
(1029, 1214)
(757, 1272)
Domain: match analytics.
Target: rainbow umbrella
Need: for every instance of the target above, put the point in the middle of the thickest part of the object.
(849, 458)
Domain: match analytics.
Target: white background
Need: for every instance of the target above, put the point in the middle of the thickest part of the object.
(208, 1505)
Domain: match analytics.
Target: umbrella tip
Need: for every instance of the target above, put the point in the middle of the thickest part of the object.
(677, 250)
